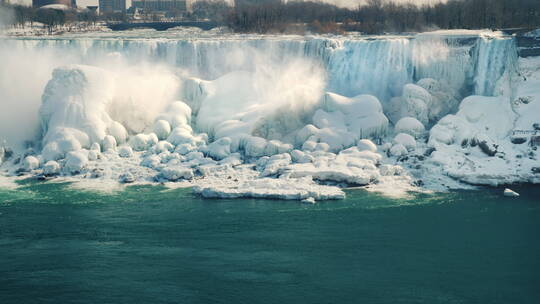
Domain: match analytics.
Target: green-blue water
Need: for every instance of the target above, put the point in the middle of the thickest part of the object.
(152, 245)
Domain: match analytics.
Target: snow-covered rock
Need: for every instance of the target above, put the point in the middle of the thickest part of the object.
(275, 163)
(398, 150)
(220, 148)
(406, 140)
(444, 98)
(184, 149)
(95, 147)
(151, 161)
(182, 135)
(109, 143)
(413, 103)
(142, 142)
(411, 126)
(343, 119)
(175, 173)
(51, 168)
(117, 130)
(254, 146)
(127, 178)
(73, 109)
(162, 129)
(301, 157)
(75, 162)
(125, 151)
(163, 146)
(93, 155)
(177, 114)
(277, 147)
(390, 170)
(233, 160)
(366, 145)
(30, 163)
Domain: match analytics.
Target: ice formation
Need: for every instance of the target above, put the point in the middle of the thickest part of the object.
(510, 193)
(286, 117)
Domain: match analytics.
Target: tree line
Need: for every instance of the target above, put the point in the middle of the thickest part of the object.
(376, 16)
(295, 16)
(20, 16)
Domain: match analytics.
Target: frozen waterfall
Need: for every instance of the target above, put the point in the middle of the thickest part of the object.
(378, 66)
(268, 116)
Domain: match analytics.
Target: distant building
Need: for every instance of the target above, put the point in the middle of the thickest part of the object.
(112, 6)
(68, 3)
(162, 5)
(239, 3)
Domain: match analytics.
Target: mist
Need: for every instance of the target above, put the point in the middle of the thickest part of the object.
(6, 16)
(23, 76)
(138, 92)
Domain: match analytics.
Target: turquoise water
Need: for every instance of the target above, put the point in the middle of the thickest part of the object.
(148, 244)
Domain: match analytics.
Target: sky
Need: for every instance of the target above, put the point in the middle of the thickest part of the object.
(344, 3)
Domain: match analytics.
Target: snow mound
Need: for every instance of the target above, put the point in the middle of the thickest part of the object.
(341, 122)
(73, 111)
(366, 145)
(478, 117)
(30, 163)
(476, 144)
(406, 140)
(411, 126)
(427, 101)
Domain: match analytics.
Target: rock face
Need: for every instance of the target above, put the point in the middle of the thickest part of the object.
(489, 148)
(529, 44)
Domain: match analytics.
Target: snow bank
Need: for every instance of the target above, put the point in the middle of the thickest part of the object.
(479, 118)
(476, 145)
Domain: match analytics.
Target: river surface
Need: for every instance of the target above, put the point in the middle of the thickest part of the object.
(150, 244)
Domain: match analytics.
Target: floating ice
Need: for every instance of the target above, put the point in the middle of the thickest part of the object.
(281, 188)
(510, 193)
